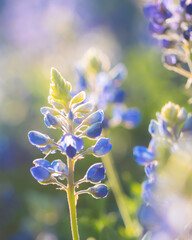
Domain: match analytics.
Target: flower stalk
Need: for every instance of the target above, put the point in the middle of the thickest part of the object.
(69, 114)
(72, 200)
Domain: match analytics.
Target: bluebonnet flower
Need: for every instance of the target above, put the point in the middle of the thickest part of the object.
(166, 211)
(104, 86)
(170, 24)
(71, 143)
(76, 120)
(96, 173)
(98, 191)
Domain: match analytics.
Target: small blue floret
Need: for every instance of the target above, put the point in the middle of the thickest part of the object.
(99, 191)
(38, 139)
(102, 147)
(71, 144)
(42, 162)
(96, 173)
(142, 155)
(95, 117)
(95, 130)
(132, 118)
(41, 174)
(50, 120)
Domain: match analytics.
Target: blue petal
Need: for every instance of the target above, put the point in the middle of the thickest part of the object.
(99, 191)
(148, 190)
(170, 59)
(102, 147)
(74, 143)
(40, 174)
(71, 151)
(37, 138)
(149, 11)
(96, 173)
(46, 149)
(182, 3)
(119, 95)
(149, 218)
(51, 120)
(156, 28)
(142, 155)
(95, 117)
(150, 170)
(188, 9)
(42, 162)
(81, 79)
(132, 117)
(119, 72)
(94, 131)
(188, 124)
(60, 166)
(165, 43)
(79, 143)
(153, 127)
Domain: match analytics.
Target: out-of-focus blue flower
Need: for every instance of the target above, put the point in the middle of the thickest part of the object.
(131, 117)
(104, 86)
(148, 217)
(96, 173)
(170, 24)
(142, 155)
(102, 147)
(171, 138)
(98, 191)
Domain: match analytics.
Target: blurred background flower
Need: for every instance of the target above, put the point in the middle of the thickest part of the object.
(36, 35)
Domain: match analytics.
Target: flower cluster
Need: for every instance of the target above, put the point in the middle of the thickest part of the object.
(171, 23)
(76, 119)
(104, 86)
(166, 211)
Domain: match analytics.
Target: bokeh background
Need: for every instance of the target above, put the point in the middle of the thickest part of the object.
(36, 35)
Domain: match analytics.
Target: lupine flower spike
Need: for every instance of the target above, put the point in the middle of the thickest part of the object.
(76, 120)
(170, 23)
(167, 210)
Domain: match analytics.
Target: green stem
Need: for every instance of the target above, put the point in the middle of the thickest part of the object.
(72, 201)
(117, 191)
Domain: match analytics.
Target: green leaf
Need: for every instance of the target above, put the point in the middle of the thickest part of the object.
(60, 89)
(78, 98)
(108, 233)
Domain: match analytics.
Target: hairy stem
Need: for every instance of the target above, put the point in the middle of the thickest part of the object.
(72, 201)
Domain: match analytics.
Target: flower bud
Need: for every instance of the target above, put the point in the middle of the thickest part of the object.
(96, 173)
(41, 174)
(95, 117)
(95, 130)
(38, 139)
(102, 147)
(173, 113)
(50, 120)
(98, 191)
